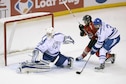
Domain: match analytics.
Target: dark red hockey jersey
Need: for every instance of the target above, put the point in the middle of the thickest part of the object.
(90, 30)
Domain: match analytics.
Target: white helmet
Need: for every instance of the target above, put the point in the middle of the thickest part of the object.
(49, 31)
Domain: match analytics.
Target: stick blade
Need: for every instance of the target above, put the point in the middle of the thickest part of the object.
(78, 72)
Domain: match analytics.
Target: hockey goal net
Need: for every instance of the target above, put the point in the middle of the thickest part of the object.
(23, 32)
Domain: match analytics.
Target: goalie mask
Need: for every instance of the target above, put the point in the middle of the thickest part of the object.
(50, 32)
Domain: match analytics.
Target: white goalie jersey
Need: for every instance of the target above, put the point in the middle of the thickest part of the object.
(51, 46)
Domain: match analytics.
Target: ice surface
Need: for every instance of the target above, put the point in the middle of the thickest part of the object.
(113, 73)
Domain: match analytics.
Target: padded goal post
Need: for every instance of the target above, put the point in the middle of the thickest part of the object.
(22, 32)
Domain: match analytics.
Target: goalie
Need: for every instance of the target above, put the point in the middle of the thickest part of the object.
(50, 45)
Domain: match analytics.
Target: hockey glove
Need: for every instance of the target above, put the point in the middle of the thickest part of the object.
(72, 41)
(81, 33)
(68, 39)
(81, 27)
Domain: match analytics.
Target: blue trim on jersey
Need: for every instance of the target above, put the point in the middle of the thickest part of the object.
(100, 31)
(95, 49)
(111, 43)
(44, 38)
(114, 31)
(100, 43)
(57, 34)
(111, 33)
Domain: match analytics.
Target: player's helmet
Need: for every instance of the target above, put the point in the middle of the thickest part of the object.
(97, 21)
(87, 19)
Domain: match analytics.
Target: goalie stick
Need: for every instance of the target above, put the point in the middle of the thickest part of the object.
(51, 64)
(38, 66)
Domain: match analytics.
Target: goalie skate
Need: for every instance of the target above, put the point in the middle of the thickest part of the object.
(27, 67)
(70, 62)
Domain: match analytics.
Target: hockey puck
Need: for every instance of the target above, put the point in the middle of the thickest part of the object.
(78, 72)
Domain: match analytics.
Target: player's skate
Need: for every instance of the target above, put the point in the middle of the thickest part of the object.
(79, 58)
(70, 62)
(112, 59)
(102, 66)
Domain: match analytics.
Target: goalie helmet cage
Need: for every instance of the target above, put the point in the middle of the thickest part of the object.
(20, 18)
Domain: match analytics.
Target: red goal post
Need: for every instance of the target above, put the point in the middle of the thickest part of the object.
(10, 28)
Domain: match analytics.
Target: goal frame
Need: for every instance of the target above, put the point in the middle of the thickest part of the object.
(5, 32)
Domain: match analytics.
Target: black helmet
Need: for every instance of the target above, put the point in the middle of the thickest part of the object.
(87, 19)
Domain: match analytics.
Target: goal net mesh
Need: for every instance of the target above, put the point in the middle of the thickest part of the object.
(22, 33)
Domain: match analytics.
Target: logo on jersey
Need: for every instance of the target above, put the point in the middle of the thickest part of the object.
(101, 1)
(23, 7)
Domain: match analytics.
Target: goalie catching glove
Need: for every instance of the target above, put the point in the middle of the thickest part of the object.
(68, 39)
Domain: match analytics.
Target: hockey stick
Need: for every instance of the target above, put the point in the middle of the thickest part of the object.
(44, 61)
(73, 15)
(51, 64)
(79, 72)
(41, 66)
(70, 12)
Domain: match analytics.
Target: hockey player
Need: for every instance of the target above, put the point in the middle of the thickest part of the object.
(87, 29)
(108, 37)
(90, 30)
(50, 48)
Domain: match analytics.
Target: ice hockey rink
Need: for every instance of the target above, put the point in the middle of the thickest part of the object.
(67, 24)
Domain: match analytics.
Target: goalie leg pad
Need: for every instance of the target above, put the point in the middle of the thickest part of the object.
(32, 70)
(26, 67)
